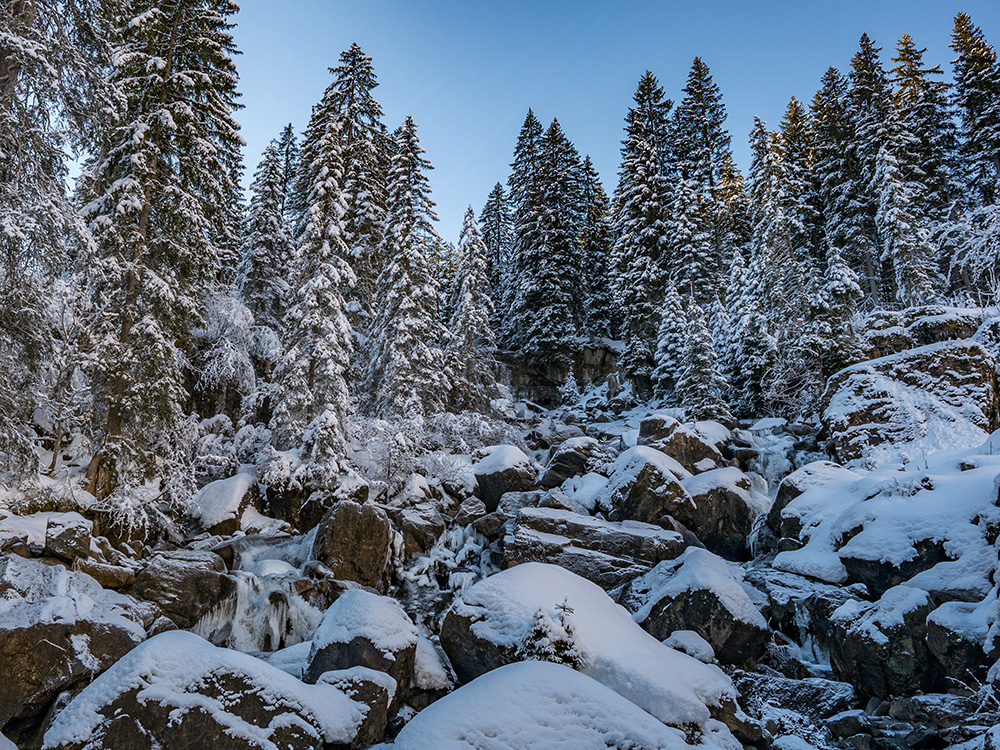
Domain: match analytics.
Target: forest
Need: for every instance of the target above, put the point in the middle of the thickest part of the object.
(171, 322)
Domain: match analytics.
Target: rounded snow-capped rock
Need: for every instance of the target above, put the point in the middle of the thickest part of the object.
(219, 506)
(470, 511)
(362, 629)
(185, 584)
(502, 469)
(421, 525)
(700, 591)
(680, 442)
(67, 536)
(956, 634)
(177, 690)
(569, 459)
(58, 629)
(370, 687)
(355, 542)
(726, 508)
(880, 648)
(644, 486)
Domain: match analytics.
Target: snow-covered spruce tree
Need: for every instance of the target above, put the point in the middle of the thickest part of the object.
(801, 197)
(365, 147)
(471, 350)
(545, 303)
(701, 389)
(735, 210)
(404, 378)
(642, 234)
(267, 249)
(288, 158)
(977, 91)
(598, 314)
(830, 334)
(670, 343)
(312, 401)
(549, 640)
(52, 62)
(524, 202)
(869, 106)
(701, 148)
(494, 222)
(165, 175)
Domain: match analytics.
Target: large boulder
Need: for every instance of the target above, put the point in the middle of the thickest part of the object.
(700, 591)
(726, 508)
(68, 537)
(536, 705)
(956, 634)
(219, 506)
(813, 697)
(362, 629)
(880, 648)
(58, 628)
(177, 690)
(940, 396)
(490, 621)
(374, 689)
(693, 451)
(185, 584)
(813, 475)
(604, 552)
(503, 469)
(644, 486)
(891, 331)
(355, 542)
(569, 459)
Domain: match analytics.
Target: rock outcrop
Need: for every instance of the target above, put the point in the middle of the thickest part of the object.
(354, 541)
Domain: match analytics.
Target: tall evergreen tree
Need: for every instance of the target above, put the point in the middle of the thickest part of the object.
(495, 221)
(642, 200)
(404, 378)
(670, 343)
(701, 388)
(288, 157)
(595, 245)
(800, 193)
(165, 177)
(471, 350)
(313, 401)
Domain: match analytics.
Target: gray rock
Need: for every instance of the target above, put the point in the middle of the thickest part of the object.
(644, 488)
(503, 469)
(375, 690)
(68, 536)
(185, 584)
(956, 637)
(813, 697)
(470, 511)
(679, 442)
(354, 541)
(604, 552)
(569, 459)
(421, 525)
(725, 511)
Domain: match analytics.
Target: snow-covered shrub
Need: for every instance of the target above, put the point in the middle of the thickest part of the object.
(549, 640)
(467, 431)
(569, 393)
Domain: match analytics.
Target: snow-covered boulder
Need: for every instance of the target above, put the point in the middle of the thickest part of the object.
(421, 525)
(604, 552)
(691, 449)
(569, 459)
(68, 536)
(957, 633)
(700, 591)
(355, 542)
(726, 507)
(645, 486)
(880, 648)
(219, 506)
(539, 706)
(816, 474)
(937, 397)
(488, 623)
(503, 469)
(812, 697)
(470, 511)
(891, 331)
(362, 629)
(57, 628)
(177, 690)
(374, 689)
(185, 584)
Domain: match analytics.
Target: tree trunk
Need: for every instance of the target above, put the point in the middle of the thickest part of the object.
(22, 13)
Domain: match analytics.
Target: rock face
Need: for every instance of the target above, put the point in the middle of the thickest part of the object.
(604, 552)
(956, 632)
(725, 511)
(362, 629)
(503, 469)
(644, 487)
(813, 697)
(57, 628)
(177, 690)
(421, 526)
(185, 584)
(354, 541)
(679, 442)
(305, 510)
(880, 648)
(700, 592)
(570, 459)
(943, 395)
(889, 331)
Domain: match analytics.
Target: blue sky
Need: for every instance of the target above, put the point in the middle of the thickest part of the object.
(467, 70)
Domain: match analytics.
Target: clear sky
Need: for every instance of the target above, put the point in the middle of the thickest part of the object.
(467, 70)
